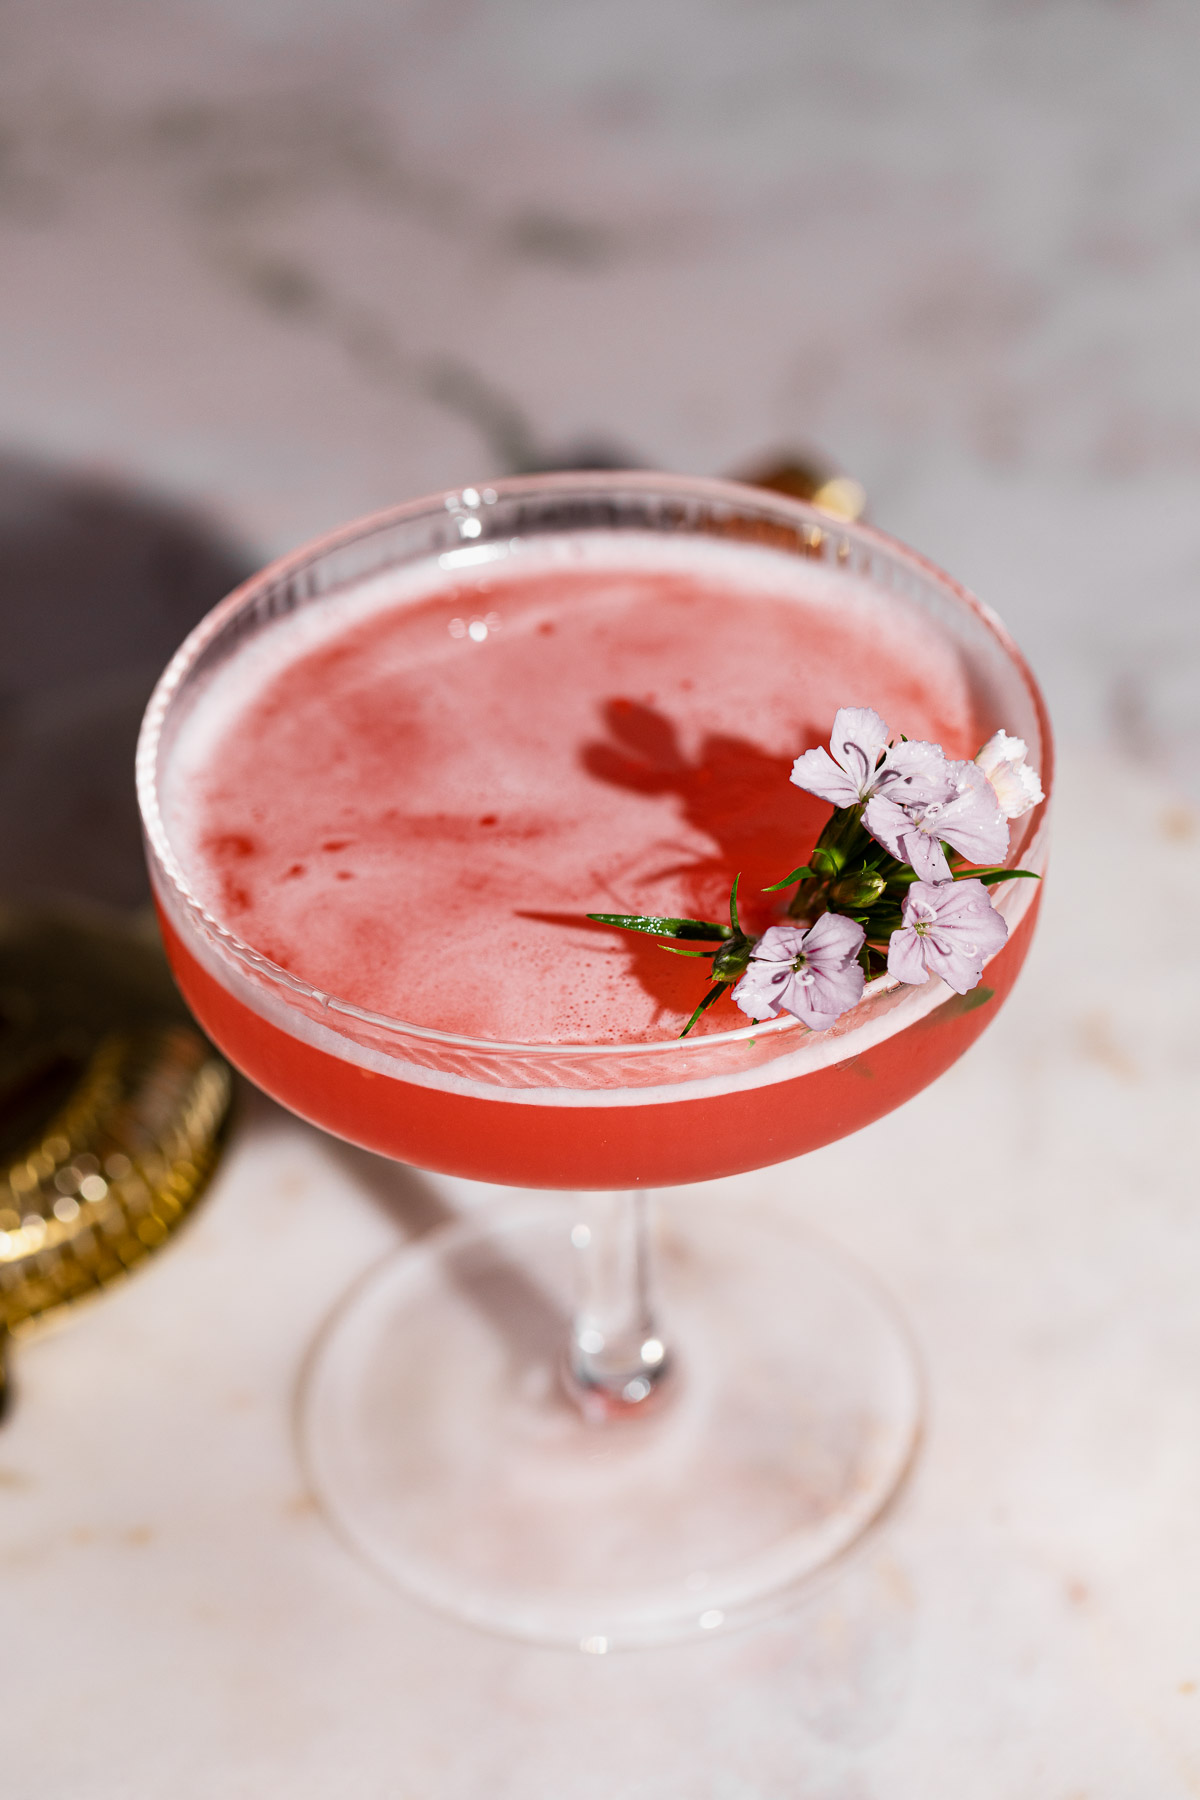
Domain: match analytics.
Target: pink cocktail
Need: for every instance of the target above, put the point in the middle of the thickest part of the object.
(384, 784)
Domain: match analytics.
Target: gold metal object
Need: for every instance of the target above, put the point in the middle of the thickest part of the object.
(112, 1109)
(838, 495)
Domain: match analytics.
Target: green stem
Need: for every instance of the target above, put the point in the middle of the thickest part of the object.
(704, 1004)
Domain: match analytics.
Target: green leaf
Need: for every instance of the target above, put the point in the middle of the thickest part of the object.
(796, 875)
(733, 916)
(674, 950)
(677, 928)
(704, 1004)
(990, 877)
(965, 1003)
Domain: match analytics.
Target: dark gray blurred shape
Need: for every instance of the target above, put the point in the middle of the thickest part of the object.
(99, 582)
(514, 445)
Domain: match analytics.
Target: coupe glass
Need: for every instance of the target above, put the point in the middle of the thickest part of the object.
(558, 1419)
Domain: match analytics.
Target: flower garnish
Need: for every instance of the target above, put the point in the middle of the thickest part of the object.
(949, 928)
(964, 813)
(879, 890)
(814, 975)
(859, 762)
(1016, 786)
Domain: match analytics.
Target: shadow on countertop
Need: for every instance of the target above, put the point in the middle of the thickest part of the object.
(99, 582)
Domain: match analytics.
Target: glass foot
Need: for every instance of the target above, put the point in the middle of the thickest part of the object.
(442, 1441)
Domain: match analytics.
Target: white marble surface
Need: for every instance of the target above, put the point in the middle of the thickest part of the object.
(277, 257)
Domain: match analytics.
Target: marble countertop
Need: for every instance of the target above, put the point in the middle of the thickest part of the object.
(283, 263)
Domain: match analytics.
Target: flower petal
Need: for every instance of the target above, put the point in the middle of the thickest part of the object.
(760, 990)
(817, 1005)
(905, 959)
(833, 942)
(887, 823)
(1017, 789)
(780, 943)
(921, 849)
(914, 774)
(845, 773)
(858, 739)
(817, 773)
(959, 965)
(828, 984)
(959, 930)
(1000, 748)
(832, 994)
(972, 822)
(1003, 760)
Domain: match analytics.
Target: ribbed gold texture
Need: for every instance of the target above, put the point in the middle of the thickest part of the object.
(112, 1110)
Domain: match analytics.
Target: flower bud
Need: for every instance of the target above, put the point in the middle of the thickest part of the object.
(860, 889)
(731, 959)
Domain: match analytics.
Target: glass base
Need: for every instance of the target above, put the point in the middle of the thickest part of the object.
(442, 1442)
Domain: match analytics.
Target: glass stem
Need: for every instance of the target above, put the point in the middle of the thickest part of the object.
(617, 1359)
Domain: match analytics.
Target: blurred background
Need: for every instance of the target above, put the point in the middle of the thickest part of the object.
(269, 265)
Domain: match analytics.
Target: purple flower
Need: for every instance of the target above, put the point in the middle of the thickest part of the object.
(1014, 781)
(965, 814)
(852, 769)
(813, 974)
(949, 928)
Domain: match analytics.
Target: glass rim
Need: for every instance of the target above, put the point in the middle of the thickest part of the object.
(601, 482)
